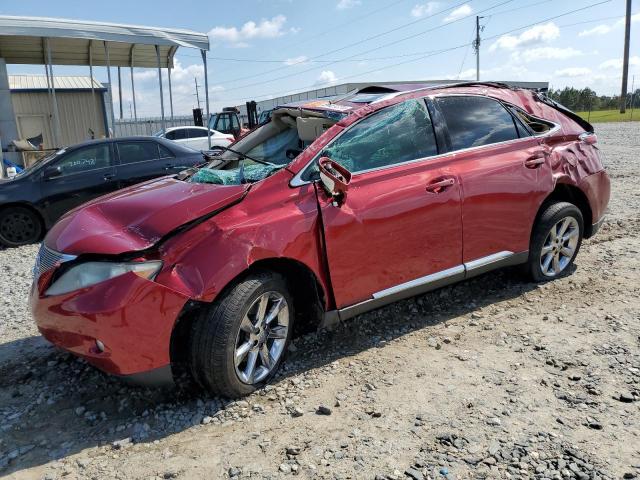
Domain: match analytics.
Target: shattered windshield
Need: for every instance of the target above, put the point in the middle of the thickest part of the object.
(252, 173)
(265, 150)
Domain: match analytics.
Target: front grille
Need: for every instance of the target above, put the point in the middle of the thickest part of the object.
(48, 259)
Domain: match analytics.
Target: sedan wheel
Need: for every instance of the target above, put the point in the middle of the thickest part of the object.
(559, 247)
(262, 337)
(19, 226)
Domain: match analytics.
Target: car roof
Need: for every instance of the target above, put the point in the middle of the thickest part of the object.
(145, 138)
(353, 101)
(180, 127)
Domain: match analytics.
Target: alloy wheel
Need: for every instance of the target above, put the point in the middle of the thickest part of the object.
(262, 337)
(559, 247)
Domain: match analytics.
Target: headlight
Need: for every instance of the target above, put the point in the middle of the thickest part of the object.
(90, 273)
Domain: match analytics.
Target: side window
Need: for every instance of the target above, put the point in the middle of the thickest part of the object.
(393, 135)
(133, 152)
(476, 121)
(179, 134)
(197, 133)
(165, 152)
(234, 122)
(87, 158)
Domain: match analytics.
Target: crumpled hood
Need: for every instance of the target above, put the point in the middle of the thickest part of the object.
(137, 217)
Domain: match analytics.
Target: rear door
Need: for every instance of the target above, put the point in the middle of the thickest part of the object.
(502, 169)
(139, 160)
(400, 225)
(84, 174)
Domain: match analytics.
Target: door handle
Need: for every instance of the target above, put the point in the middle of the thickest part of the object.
(168, 166)
(108, 176)
(535, 161)
(440, 185)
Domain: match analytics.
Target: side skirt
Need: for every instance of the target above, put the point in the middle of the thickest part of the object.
(426, 284)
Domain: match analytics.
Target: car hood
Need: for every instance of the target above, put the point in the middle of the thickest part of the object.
(136, 218)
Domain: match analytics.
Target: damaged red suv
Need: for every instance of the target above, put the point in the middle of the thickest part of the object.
(332, 208)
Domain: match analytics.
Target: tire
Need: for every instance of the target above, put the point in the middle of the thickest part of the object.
(19, 226)
(559, 251)
(221, 332)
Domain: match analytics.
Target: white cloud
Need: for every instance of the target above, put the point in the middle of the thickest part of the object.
(344, 4)
(302, 59)
(327, 77)
(250, 30)
(545, 53)
(616, 63)
(540, 33)
(604, 29)
(458, 13)
(572, 72)
(597, 30)
(423, 9)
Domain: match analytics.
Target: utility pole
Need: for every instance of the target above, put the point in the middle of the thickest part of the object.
(197, 93)
(625, 59)
(476, 46)
(120, 92)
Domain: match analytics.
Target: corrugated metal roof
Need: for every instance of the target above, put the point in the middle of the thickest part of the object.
(22, 40)
(39, 82)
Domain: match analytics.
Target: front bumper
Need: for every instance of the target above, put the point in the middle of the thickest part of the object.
(131, 316)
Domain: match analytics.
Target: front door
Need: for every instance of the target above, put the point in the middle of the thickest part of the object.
(400, 221)
(502, 170)
(82, 175)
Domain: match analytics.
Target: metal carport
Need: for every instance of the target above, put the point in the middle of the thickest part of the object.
(56, 41)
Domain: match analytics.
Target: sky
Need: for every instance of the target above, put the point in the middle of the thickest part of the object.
(262, 49)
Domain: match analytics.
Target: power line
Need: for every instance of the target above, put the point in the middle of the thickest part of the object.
(430, 54)
(262, 82)
(373, 37)
(351, 60)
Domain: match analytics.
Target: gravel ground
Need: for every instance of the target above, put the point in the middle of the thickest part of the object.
(491, 378)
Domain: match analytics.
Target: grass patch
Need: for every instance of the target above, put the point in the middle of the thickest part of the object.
(602, 116)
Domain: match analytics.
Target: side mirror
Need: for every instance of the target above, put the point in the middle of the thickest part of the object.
(51, 172)
(335, 179)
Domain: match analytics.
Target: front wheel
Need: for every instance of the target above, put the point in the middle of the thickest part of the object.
(555, 242)
(239, 342)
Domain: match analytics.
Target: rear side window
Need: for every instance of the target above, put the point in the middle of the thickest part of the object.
(133, 152)
(197, 133)
(393, 135)
(165, 152)
(476, 121)
(179, 134)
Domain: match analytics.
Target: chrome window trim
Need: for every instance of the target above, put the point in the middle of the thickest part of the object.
(297, 180)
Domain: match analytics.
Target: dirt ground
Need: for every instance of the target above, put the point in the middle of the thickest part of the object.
(490, 378)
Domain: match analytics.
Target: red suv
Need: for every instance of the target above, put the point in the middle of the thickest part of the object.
(332, 208)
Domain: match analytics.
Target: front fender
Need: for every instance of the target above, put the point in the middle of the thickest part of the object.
(272, 222)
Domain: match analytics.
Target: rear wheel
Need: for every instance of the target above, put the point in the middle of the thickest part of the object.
(556, 241)
(19, 226)
(238, 343)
